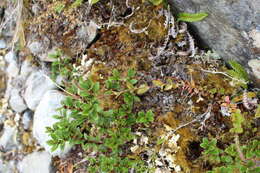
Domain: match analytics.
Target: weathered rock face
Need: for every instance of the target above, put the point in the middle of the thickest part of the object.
(232, 28)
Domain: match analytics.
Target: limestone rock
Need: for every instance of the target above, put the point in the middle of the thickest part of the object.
(2, 44)
(36, 86)
(26, 69)
(10, 57)
(16, 101)
(39, 162)
(27, 119)
(43, 117)
(12, 70)
(8, 139)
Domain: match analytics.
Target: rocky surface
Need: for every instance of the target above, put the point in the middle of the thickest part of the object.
(8, 139)
(43, 118)
(232, 28)
(40, 161)
(36, 85)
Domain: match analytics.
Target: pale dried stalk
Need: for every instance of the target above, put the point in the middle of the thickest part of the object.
(138, 31)
(200, 118)
(19, 32)
(225, 74)
(65, 91)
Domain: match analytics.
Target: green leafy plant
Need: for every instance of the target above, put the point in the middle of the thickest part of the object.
(237, 120)
(61, 64)
(85, 120)
(238, 72)
(231, 159)
(189, 17)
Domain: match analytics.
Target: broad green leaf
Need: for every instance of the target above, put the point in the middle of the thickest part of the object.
(191, 17)
(239, 69)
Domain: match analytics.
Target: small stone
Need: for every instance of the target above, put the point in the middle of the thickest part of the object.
(39, 162)
(27, 119)
(36, 47)
(10, 57)
(16, 101)
(43, 117)
(36, 86)
(2, 44)
(88, 32)
(26, 69)
(8, 139)
(36, 8)
(12, 70)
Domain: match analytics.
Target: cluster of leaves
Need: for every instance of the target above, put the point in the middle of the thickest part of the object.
(239, 73)
(103, 131)
(234, 158)
(229, 159)
(61, 64)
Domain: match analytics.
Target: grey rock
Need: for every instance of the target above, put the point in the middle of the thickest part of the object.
(8, 139)
(8, 167)
(10, 57)
(27, 119)
(43, 117)
(88, 32)
(254, 64)
(36, 47)
(2, 44)
(26, 69)
(39, 162)
(36, 86)
(16, 101)
(12, 70)
(228, 29)
(36, 8)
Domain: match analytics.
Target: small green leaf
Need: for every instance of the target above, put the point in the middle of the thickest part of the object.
(189, 17)
(156, 2)
(59, 7)
(96, 87)
(93, 1)
(131, 73)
